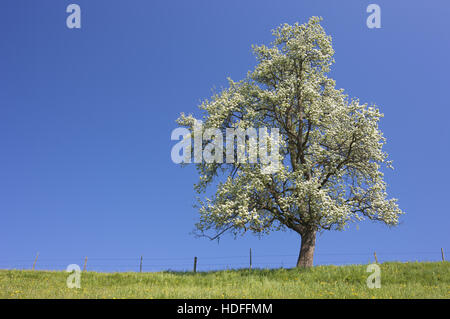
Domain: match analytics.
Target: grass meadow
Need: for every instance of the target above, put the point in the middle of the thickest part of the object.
(398, 280)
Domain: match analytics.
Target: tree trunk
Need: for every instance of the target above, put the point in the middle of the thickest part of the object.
(305, 258)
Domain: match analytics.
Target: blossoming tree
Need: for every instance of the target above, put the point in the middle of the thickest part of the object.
(330, 149)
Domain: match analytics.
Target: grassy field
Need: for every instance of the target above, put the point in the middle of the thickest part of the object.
(398, 280)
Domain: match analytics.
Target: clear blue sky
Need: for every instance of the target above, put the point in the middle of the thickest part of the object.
(86, 117)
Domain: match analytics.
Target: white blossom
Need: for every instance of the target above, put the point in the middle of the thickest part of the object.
(330, 153)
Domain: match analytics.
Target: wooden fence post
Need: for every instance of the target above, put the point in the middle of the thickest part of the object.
(376, 259)
(140, 266)
(195, 264)
(250, 259)
(442, 253)
(85, 263)
(35, 260)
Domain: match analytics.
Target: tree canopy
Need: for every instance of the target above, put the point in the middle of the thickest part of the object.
(331, 148)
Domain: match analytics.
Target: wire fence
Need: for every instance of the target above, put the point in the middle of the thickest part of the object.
(210, 263)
